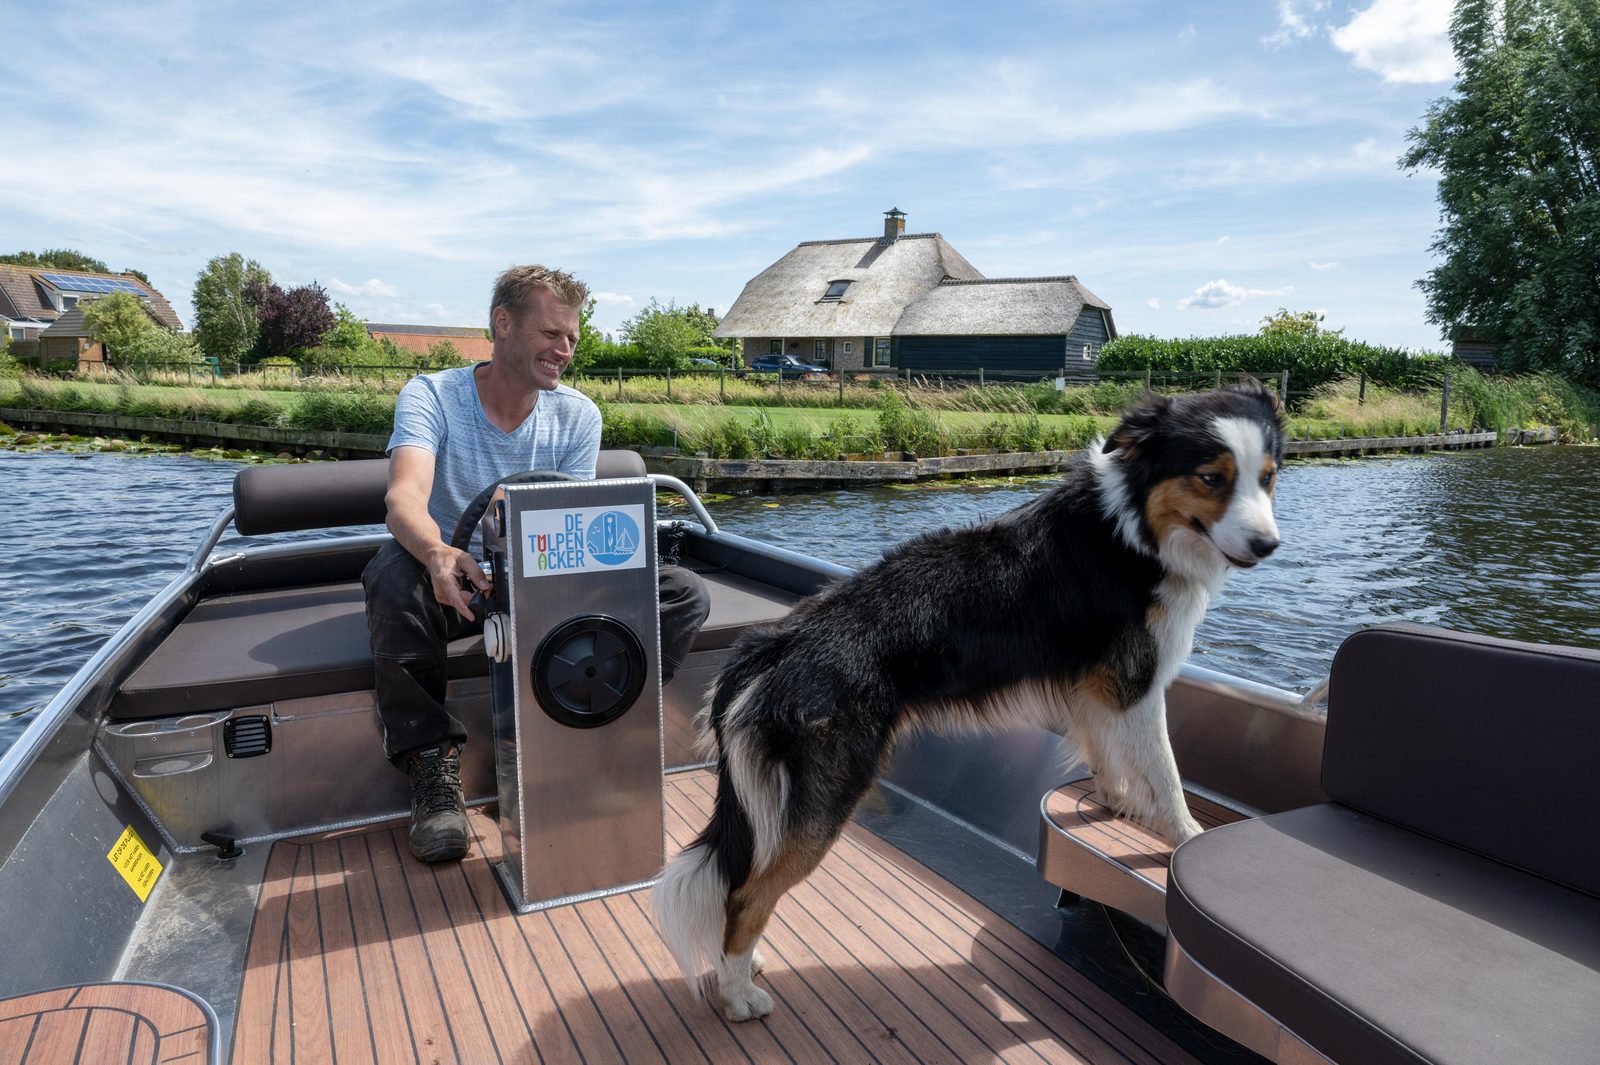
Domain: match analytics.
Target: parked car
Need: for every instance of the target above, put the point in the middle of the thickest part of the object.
(789, 366)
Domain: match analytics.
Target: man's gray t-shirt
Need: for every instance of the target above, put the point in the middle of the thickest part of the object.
(441, 414)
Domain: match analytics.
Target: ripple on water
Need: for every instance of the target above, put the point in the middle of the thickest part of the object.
(1504, 542)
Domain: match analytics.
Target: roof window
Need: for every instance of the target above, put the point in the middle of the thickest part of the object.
(835, 290)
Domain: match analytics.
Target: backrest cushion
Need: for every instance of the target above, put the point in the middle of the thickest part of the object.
(1486, 744)
(333, 495)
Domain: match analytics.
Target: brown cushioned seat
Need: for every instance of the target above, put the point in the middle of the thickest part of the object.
(260, 647)
(1374, 944)
(1445, 906)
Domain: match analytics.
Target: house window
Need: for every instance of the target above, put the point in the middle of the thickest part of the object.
(819, 349)
(880, 351)
(775, 346)
(835, 290)
(849, 347)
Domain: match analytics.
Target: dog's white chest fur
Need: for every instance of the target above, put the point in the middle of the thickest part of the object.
(1181, 602)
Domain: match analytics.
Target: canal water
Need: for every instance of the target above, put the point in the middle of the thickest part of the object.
(1504, 542)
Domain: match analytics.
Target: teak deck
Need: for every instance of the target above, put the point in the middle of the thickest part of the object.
(140, 1024)
(361, 954)
(1076, 810)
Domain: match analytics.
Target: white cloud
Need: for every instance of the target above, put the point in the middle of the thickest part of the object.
(1292, 25)
(1224, 239)
(1323, 266)
(1401, 40)
(370, 287)
(1187, 33)
(1220, 293)
(609, 298)
(1153, 303)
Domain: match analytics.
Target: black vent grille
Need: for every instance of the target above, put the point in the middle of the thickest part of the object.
(246, 737)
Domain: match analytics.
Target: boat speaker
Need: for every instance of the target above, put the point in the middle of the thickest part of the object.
(575, 680)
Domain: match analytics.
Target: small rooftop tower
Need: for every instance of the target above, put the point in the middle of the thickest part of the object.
(894, 224)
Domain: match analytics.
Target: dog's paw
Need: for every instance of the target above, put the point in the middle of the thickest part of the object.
(1184, 831)
(748, 1003)
(758, 962)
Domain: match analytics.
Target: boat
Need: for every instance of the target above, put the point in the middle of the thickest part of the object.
(202, 850)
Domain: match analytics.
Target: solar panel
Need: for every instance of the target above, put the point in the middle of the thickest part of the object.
(73, 283)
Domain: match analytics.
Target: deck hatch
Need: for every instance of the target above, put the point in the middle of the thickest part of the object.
(247, 737)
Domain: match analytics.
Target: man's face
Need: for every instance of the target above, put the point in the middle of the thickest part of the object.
(538, 340)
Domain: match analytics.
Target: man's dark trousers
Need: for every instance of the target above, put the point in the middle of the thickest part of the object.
(411, 631)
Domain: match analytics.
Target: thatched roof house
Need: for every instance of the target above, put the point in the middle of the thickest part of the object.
(471, 342)
(912, 301)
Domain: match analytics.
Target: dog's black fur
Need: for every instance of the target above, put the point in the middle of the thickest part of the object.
(1051, 596)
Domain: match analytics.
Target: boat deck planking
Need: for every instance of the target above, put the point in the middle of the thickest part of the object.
(359, 953)
(139, 1024)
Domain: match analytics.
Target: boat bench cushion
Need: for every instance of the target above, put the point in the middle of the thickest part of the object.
(262, 647)
(1375, 944)
(1423, 723)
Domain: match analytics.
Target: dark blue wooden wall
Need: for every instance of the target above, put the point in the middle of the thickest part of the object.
(1004, 354)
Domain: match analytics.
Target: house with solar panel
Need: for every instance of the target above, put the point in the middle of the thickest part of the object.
(42, 304)
(909, 301)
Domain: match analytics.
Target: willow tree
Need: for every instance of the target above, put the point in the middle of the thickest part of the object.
(1517, 148)
(225, 324)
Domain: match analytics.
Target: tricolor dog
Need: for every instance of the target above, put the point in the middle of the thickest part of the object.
(1072, 612)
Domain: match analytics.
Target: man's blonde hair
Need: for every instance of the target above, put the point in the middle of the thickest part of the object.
(512, 288)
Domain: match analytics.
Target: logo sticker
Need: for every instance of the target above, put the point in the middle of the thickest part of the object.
(582, 541)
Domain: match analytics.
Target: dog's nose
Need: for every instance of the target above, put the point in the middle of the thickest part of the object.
(1262, 546)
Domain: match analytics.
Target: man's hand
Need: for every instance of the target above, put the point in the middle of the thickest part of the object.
(451, 572)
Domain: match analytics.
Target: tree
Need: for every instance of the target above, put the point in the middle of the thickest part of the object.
(59, 258)
(224, 321)
(1295, 323)
(664, 335)
(1517, 148)
(290, 322)
(118, 321)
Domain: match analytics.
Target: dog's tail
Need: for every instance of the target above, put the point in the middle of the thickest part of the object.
(691, 901)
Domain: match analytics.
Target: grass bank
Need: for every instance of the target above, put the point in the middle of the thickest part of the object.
(804, 420)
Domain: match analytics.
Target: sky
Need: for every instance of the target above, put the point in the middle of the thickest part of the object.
(1196, 165)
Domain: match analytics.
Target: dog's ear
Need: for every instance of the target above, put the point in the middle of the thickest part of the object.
(1254, 386)
(1138, 425)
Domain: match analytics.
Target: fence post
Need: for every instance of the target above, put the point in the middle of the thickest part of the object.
(1283, 387)
(722, 383)
(1361, 396)
(839, 372)
(1147, 378)
(1444, 402)
(619, 384)
(980, 377)
(1216, 381)
(669, 384)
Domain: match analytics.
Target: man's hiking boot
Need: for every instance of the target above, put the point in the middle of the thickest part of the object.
(438, 816)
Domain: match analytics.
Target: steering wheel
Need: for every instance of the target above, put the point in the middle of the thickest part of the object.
(474, 513)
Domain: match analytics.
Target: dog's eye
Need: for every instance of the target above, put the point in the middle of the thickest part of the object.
(1266, 478)
(1213, 480)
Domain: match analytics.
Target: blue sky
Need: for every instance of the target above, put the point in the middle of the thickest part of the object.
(1196, 165)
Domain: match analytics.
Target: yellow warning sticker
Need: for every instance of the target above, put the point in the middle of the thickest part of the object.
(135, 862)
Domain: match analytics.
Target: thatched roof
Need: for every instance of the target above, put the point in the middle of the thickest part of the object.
(785, 299)
(1021, 306)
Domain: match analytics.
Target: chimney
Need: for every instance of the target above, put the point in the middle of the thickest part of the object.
(894, 225)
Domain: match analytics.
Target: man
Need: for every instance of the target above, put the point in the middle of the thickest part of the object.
(456, 432)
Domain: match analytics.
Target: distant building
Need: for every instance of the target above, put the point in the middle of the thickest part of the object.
(1477, 348)
(43, 303)
(32, 297)
(910, 301)
(472, 342)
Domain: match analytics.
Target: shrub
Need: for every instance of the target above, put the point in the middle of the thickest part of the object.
(1312, 359)
(360, 410)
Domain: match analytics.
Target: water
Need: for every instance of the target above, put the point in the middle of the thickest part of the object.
(1505, 542)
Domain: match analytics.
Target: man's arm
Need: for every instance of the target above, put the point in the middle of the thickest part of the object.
(410, 486)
